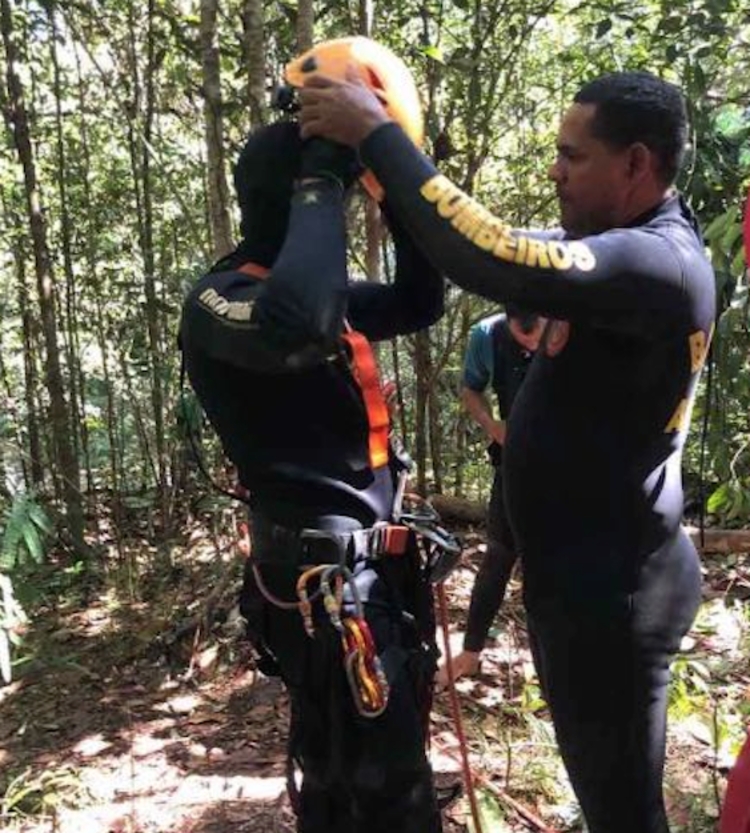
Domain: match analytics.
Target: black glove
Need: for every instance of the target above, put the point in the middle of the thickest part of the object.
(322, 158)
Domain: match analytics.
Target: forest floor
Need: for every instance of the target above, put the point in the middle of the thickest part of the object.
(114, 725)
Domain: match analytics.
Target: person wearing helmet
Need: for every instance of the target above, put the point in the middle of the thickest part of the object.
(274, 346)
(593, 448)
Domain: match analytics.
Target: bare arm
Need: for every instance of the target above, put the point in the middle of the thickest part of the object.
(480, 410)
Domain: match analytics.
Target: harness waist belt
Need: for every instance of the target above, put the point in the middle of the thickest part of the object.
(276, 544)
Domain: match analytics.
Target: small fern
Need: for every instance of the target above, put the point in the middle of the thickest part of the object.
(25, 528)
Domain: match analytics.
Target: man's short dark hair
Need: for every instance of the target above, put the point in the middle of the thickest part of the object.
(525, 318)
(639, 107)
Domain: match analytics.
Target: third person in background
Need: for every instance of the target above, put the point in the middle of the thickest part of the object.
(499, 354)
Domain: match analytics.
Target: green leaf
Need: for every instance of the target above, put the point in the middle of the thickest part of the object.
(718, 226)
(719, 499)
(40, 518)
(33, 542)
(435, 53)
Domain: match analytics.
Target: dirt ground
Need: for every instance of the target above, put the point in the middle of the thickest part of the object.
(106, 731)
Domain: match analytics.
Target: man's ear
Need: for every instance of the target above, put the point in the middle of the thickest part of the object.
(641, 161)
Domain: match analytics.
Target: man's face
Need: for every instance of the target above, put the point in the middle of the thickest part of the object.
(591, 177)
(529, 341)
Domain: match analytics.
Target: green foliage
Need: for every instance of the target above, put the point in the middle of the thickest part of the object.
(29, 794)
(25, 528)
(491, 816)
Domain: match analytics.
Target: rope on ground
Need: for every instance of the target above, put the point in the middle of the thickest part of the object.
(527, 815)
(456, 709)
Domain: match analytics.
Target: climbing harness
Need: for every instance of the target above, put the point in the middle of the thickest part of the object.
(442, 549)
(335, 585)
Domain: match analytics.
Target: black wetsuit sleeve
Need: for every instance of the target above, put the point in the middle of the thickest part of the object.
(630, 279)
(294, 317)
(413, 301)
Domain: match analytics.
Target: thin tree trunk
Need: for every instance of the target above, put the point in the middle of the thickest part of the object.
(373, 239)
(140, 423)
(9, 483)
(76, 378)
(366, 18)
(59, 413)
(373, 223)
(253, 22)
(218, 191)
(143, 183)
(422, 370)
(99, 322)
(31, 451)
(30, 374)
(436, 438)
(400, 403)
(305, 25)
(462, 421)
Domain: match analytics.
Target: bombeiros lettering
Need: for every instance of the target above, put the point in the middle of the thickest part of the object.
(487, 232)
(698, 345)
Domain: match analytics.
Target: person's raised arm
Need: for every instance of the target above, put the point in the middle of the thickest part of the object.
(626, 278)
(291, 318)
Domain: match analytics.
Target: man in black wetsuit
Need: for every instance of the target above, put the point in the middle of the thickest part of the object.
(296, 402)
(499, 354)
(593, 448)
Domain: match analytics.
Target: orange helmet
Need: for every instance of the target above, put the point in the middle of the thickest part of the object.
(382, 71)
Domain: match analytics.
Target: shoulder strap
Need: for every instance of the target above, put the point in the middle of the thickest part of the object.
(365, 372)
(254, 270)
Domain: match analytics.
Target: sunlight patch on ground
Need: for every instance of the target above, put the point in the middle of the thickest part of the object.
(181, 704)
(92, 746)
(169, 808)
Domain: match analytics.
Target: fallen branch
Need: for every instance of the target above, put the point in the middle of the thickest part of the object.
(502, 796)
(716, 541)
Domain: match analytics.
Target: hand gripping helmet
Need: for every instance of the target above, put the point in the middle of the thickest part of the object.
(381, 70)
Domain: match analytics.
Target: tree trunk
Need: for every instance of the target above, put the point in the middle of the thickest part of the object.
(76, 378)
(218, 191)
(305, 25)
(373, 221)
(436, 439)
(253, 22)
(366, 18)
(400, 402)
(60, 418)
(99, 321)
(462, 422)
(142, 177)
(31, 450)
(422, 372)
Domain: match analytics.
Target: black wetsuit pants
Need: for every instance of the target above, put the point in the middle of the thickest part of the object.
(358, 774)
(605, 673)
(494, 571)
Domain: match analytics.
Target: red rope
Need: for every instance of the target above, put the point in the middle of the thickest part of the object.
(456, 710)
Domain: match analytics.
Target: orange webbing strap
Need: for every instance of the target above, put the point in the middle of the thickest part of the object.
(365, 372)
(255, 270)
